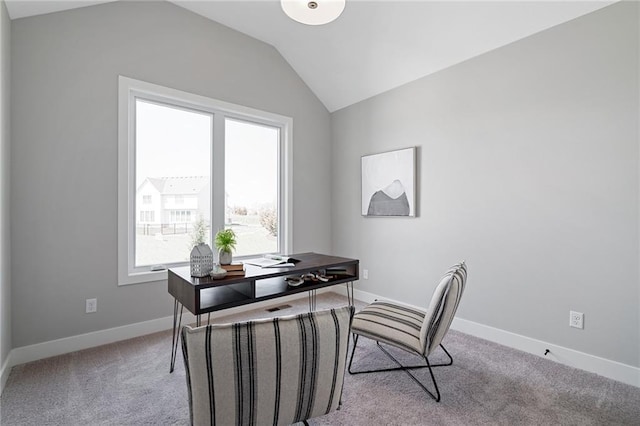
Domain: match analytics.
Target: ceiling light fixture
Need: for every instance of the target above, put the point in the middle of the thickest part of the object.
(313, 12)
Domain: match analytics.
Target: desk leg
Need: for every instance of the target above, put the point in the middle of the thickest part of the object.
(176, 333)
(350, 293)
(312, 300)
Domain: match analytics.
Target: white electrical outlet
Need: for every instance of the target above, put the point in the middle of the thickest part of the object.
(365, 274)
(576, 319)
(91, 306)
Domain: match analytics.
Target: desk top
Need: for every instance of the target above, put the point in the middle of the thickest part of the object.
(307, 262)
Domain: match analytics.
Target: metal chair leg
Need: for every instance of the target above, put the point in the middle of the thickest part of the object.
(355, 343)
(448, 354)
(404, 368)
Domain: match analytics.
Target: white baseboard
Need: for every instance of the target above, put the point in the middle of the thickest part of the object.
(611, 369)
(4, 372)
(65, 345)
(604, 367)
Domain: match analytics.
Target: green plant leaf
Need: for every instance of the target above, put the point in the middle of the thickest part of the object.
(226, 240)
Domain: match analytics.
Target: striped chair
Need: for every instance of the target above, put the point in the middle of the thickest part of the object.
(267, 372)
(413, 330)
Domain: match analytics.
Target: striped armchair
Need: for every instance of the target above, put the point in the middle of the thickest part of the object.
(267, 372)
(413, 330)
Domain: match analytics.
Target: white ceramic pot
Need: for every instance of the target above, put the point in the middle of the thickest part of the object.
(224, 257)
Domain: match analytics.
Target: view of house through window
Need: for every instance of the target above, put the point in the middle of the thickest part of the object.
(189, 166)
(173, 183)
(251, 185)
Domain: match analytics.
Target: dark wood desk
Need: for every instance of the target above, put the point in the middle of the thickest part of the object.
(205, 295)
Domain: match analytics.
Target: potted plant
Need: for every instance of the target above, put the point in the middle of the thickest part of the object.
(225, 242)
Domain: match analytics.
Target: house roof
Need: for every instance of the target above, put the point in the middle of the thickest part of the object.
(187, 185)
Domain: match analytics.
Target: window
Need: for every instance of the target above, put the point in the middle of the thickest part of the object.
(211, 164)
(180, 216)
(251, 185)
(147, 216)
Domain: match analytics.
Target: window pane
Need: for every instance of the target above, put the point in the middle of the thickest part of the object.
(173, 184)
(251, 186)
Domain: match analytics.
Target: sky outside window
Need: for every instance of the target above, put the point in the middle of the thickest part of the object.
(251, 185)
(173, 167)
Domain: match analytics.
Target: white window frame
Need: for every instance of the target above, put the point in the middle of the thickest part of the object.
(128, 90)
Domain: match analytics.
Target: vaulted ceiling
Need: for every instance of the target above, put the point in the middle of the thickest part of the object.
(375, 45)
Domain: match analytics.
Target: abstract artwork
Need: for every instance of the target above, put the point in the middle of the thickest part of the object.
(388, 183)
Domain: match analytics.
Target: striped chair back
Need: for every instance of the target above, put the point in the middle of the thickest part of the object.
(267, 372)
(442, 308)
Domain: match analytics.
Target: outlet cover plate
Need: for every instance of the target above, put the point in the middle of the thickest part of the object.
(576, 319)
(91, 306)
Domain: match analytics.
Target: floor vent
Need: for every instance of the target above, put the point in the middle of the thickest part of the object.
(278, 308)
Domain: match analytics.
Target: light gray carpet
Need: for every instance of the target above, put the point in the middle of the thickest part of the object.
(128, 383)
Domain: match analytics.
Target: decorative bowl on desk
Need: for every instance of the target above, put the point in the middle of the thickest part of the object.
(217, 272)
(294, 280)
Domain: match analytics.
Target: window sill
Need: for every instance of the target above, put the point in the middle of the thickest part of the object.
(142, 277)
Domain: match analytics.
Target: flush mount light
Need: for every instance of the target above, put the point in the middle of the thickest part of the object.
(313, 12)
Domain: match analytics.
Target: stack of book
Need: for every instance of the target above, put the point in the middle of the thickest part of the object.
(235, 269)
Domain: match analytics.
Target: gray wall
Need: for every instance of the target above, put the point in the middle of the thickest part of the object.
(65, 70)
(5, 274)
(528, 169)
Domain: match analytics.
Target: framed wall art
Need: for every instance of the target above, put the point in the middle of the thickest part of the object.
(389, 183)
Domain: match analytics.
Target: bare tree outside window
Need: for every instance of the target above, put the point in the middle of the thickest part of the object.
(251, 185)
(269, 221)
